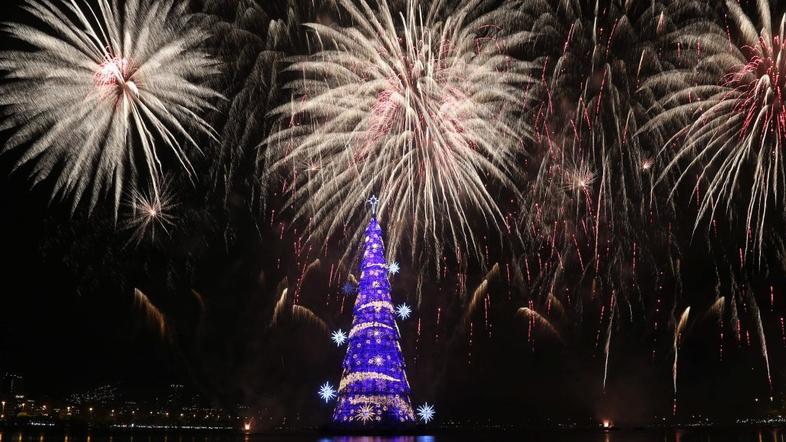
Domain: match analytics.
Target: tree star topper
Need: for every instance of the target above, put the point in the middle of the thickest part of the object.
(373, 201)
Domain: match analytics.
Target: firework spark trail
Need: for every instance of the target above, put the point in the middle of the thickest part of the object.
(279, 308)
(153, 314)
(101, 84)
(735, 320)
(439, 316)
(607, 346)
(772, 298)
(200, 299)
(762, 338)
(301, 313)
(406, 107)
(313, 265)
(783, 330)
(678, 329)
(555, 304)
(717, 309)
(533, 315)
(480, 292)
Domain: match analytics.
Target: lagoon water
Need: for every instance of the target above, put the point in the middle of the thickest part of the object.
(658, 435)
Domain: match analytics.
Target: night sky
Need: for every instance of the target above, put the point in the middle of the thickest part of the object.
(69, 321)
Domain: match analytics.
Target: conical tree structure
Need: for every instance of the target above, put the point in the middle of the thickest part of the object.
(374, 390)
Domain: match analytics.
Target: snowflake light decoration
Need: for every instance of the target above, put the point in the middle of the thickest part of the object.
(365, 413)
(327, 392)
(338, 337)
(403, 311)
(426, 412)
(393, 268)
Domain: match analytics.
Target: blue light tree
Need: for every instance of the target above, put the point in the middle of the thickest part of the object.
(374, 390)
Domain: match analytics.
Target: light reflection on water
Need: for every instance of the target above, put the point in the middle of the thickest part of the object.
(655, 435)
(378, 439)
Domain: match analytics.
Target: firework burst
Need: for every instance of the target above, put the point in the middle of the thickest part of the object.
(586, 109)
(586, 207)
(150, 212)
(101, 90)
(597, 242)
(728, 103)
(419, 108)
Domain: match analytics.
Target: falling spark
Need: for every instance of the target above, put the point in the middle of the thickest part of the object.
(607, 346)
(535, 316)
(153, 315)
(300, 313)
(279, 308)
(762, 338)
(678, 329)
(480, 292)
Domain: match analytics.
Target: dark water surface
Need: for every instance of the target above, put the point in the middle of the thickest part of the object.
(657, 435)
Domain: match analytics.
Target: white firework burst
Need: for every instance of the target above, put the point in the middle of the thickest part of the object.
(579, 178)
(421, 108)
(101, 89)
(151, 212)
(327, 392)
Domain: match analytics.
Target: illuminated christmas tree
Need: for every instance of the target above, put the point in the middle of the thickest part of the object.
(374, 390)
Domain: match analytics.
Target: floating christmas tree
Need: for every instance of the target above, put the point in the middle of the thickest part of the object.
(374, 390)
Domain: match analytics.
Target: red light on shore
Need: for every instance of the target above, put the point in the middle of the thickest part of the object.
(247, 427)
(606, 424)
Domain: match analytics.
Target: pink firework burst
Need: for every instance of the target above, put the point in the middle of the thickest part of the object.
(730, 108)
(757, 89)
